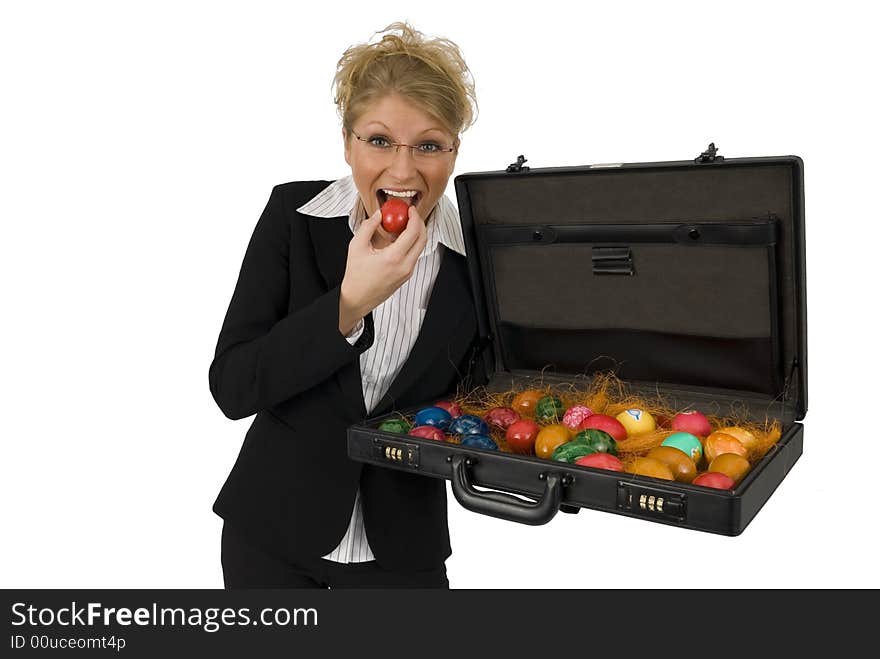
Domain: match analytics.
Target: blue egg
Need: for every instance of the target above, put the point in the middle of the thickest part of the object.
(479, 441)
(433, 416)
(468, 424)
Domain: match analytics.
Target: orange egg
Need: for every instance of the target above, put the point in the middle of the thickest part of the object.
(720, 442)
(745, 437)
(651, 467)
(683, 468)
(549, 438)
(524, 403)
(731, 464)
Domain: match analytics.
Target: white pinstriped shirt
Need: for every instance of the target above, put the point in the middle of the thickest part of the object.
(396, 321)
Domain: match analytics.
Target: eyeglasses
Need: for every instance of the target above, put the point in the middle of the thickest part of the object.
(427, 151)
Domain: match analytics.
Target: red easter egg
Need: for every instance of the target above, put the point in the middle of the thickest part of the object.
(600, 461)
(693, 422)
(395, 215)
(428, 432)
(501, 417)
(521, 436)
(714, 479)
(604, 422)
(453, 409)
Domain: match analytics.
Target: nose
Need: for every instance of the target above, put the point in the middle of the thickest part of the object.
(402, 165)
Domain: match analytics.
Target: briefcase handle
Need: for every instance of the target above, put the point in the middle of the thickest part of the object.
(505, 506)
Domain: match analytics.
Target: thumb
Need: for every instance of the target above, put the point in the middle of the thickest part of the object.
(368, 227)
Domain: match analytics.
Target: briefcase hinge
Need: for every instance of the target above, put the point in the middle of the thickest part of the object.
(518, 165)
(709, 155)
(613, 261)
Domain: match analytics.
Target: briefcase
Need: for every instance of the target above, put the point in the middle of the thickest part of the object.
(685, 279)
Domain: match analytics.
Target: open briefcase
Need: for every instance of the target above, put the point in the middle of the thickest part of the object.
(687, 278)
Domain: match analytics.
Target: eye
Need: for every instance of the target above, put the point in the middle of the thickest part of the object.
(379, 141)
(429, 147)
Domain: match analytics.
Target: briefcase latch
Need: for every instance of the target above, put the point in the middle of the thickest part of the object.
(612, 261)
(651, 501)
(401, 453)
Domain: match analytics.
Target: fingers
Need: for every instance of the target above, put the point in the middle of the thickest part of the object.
(368, 227)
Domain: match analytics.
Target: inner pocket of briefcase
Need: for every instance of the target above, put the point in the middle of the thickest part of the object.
(688, 302)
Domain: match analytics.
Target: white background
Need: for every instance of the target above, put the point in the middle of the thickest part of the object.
(140, 142)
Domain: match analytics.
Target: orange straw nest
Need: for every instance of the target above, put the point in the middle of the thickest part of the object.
(607, 394)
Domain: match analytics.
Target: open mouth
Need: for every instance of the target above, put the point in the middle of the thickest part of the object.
(383, 196)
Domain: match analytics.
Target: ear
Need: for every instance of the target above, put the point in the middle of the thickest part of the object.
(346, 143)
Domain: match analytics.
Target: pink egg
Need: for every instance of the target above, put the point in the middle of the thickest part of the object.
(450, 407)
(428, 432)
(501, 417)
(575, 415)
(692, 422)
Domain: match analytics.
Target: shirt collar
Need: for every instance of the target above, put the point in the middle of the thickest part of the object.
(341, 198)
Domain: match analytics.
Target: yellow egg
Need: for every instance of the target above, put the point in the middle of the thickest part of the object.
(745, 437)
(550, 438)
(683, 468)
(651, 467)
(731, 464)
(720, 442)
(636, 421)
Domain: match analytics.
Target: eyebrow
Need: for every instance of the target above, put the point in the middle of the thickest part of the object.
(427, 130)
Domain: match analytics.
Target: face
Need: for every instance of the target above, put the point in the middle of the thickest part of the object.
(397, 120)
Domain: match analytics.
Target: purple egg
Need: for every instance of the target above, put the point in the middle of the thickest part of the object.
(479, 441)
(433, 416)
(468, 424)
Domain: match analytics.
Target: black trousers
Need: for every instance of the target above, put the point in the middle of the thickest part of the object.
(248, 566)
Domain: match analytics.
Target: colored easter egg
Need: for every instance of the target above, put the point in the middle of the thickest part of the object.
(683, 468)
(453, 408)
(548, 410)
(521, 436)
(428, 432)
(731, 464)
(479, 441)
(745, 437)
(693, 422)
(571, 451)
(606, 423)
(524, 403)
(433, 416)
(650, 467)
(636, 421)
(720, 442)
(574, 415)
(550, 438)
(395, 425)
(501, 417)
(468, 424)
(714, 479)
(684, 441)
(600, 461)
(599, 440)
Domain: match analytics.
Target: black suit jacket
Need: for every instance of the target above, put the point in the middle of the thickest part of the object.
(280, 355)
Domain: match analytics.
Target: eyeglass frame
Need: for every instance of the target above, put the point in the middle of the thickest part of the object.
(397, 145)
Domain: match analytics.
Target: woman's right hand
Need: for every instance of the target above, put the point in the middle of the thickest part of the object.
(371, 274)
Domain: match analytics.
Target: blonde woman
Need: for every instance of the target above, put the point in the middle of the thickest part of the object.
(334, 319)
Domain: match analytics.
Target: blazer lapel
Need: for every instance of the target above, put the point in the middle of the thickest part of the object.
(448, 303)
(330, 238)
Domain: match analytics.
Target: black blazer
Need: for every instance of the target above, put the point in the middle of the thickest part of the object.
(280, 355)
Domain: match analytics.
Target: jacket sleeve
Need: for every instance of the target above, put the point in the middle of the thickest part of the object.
(264, 355)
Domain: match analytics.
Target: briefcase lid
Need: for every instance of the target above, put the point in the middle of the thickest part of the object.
(682, 273)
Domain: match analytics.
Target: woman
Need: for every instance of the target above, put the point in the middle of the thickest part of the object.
(333, 319)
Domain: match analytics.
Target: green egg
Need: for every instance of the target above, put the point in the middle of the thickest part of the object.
(548, 410)
(599, 440)
(687, 443)
(395, 425)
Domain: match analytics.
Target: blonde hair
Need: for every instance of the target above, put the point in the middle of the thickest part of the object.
(430, 73)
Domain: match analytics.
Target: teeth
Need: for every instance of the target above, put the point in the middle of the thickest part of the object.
(408, 193)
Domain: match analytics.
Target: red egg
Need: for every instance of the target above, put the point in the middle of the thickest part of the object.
(600, 461)
(693, 422)
(604, 422)
(428, 432)
(521, 436)
(501, 417)
(714, 479)
(453, 408)
(395, 215)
